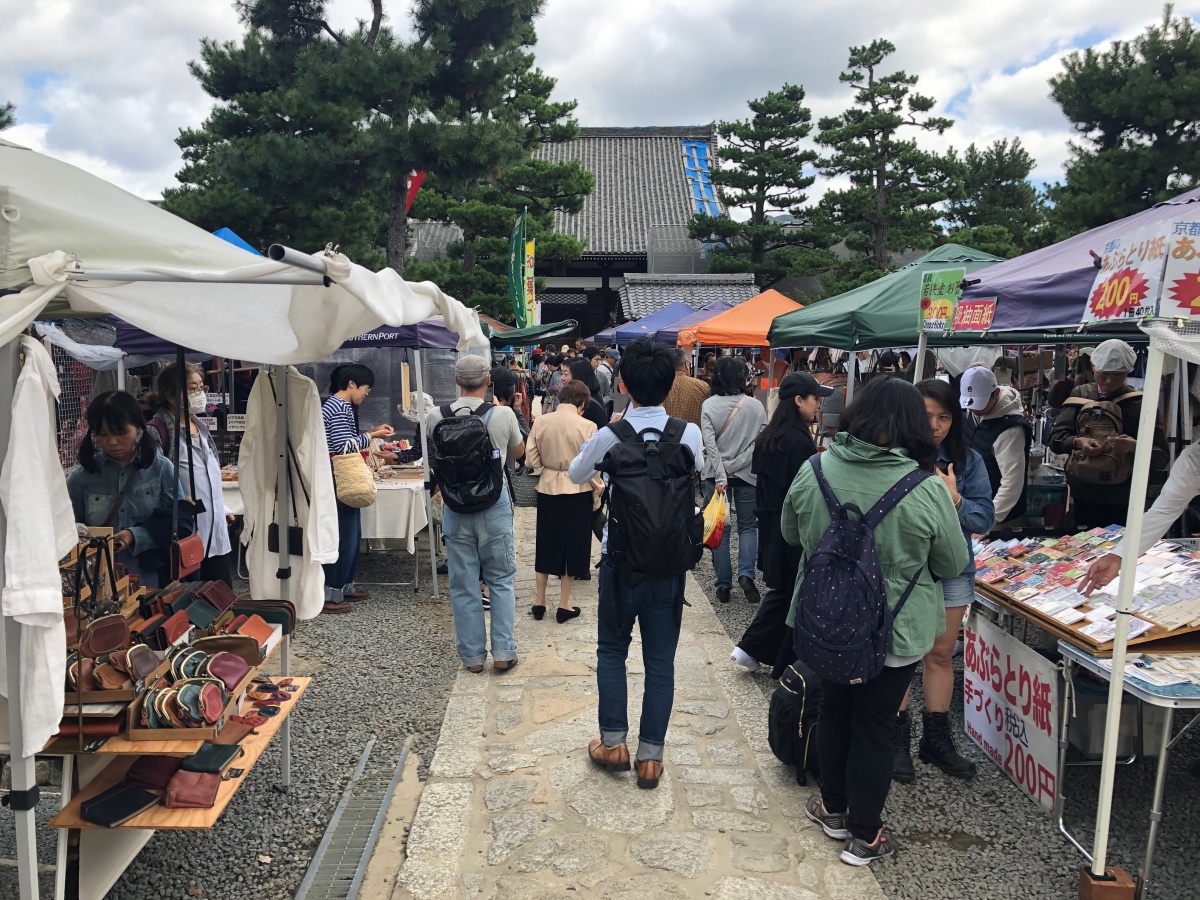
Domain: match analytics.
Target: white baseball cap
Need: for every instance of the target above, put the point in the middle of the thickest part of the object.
(978, 385)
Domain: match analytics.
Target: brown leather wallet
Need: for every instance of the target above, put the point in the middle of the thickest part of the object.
(104, 635)
(174, 628)
(110, 678)
(242, 645)
(257, 627)
(192, 790)
(153, 773)
(233, 733)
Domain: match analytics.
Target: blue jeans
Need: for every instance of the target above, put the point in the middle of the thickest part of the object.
(744, 503)
(657, 605)
(341, 573)
(475, 543)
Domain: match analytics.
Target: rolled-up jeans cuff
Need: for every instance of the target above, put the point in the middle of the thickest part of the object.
(474, 660)
(647, 750)
(334, 595)
(612, 738)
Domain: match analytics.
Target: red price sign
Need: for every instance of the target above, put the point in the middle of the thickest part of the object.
(1119, 294)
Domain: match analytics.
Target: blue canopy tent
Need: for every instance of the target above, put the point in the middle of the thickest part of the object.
(648, 325)
(228, 235)
(603, 338)
(669, 334)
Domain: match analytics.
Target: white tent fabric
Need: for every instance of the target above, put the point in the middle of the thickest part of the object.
(55, 218)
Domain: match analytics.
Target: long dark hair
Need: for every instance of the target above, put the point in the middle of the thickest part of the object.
(943, 395)
(730, 377)
(787, 419)
(581, 370)
(115, 411)
(890, 413)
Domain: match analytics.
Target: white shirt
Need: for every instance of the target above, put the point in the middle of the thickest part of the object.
(40, 530)
(1182, 485)
(583, 467)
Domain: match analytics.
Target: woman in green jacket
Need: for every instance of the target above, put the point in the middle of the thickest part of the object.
(882, 436)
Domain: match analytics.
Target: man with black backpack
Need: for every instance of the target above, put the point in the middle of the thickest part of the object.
(470, 441)
(653, 537)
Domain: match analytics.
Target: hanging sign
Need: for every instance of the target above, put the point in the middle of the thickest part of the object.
(516, 270)
(973, 315)
(1181, 281)
(531, 310)
(235, 422)
(940, 290)
(1127, 285)
(1011, 702)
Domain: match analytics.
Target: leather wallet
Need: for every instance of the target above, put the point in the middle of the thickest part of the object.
(153, 773)
(192, 790)
(147, 631)
(117, 805)
(80, 673)
(257, 628)
(212, 758)
(173, 629)
(233, 733)
(242, 645)
(218, 593)
(226, 667)
(180, 601)
(109, 678)
(276, 612)
(202, 614)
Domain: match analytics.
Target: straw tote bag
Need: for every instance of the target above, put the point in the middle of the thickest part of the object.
(352, 478)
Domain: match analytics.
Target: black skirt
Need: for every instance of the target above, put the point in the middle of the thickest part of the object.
(778, 560)
(564, 535)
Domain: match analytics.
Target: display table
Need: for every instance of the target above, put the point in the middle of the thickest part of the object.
(398, 513)
(1168, 698)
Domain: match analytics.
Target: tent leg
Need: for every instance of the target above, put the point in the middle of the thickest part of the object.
(851, 377)
(121, 374)
(425, 468)
(22, 766)
(1174, 411)
(280, 373)
(919, 365)
(1133, 537)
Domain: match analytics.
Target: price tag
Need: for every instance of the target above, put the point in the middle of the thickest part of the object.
(235, 423)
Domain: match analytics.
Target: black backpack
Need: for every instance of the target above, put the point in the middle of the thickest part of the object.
(467, 466)
(843, 623)
(654, 528)
(792, 721)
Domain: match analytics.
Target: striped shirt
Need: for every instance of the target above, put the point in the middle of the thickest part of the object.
(338, 415)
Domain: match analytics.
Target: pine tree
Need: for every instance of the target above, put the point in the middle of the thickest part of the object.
(317, 131)
(1136, 110)
(992, 206)
(8, 116)
(763, 168)
(892, 203)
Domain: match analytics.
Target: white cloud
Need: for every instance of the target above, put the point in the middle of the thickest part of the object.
(106, 86)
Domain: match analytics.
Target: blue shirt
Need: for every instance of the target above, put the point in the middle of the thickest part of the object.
(147, 491)
(583, 466)
(338, 416)
(976, 514)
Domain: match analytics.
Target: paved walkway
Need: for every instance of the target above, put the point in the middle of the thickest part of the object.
(514, 809)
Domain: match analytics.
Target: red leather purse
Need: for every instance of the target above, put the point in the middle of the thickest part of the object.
(227, 668)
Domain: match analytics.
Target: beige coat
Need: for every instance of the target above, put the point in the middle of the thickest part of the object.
(555, 441)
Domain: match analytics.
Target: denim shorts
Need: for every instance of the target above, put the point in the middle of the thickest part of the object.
(958, 591)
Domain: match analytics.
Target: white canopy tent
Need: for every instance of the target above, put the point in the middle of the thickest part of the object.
(73, 244)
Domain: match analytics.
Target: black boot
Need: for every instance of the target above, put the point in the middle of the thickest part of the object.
(902, 764)
(937, 746)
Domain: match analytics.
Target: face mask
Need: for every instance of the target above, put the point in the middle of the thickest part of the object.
(197, 403)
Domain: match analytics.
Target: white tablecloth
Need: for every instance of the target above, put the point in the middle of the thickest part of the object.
(398, 513)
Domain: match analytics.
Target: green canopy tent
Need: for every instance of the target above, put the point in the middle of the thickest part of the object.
(534, 334)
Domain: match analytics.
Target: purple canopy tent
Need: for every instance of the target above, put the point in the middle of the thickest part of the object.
(1048, 288)
(648, 325)
(431, 334)
(669, 334)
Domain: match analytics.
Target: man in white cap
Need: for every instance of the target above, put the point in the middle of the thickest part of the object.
(1098, 428)
(999, 431)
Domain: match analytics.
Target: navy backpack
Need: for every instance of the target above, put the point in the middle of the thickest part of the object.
(843, 623)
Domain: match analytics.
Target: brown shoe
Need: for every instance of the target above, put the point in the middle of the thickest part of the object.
(505, 665)
(475, 670)
(357, 595)
(337, 607)
(648, 773)
(614, 759)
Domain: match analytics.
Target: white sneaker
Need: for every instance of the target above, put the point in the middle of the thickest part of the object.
(742, 658)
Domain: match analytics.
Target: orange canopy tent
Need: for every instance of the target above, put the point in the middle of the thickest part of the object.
(745, 325)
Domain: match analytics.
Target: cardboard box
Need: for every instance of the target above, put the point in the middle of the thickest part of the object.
(1086, 732)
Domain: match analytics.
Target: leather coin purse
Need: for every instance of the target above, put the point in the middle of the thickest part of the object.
(192, 790)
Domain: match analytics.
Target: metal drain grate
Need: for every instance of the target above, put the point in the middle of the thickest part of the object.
(340, 862)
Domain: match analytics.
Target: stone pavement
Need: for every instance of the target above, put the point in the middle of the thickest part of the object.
(513, 808)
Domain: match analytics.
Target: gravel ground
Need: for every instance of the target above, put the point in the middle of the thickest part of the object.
(383, 671)
(985, 839)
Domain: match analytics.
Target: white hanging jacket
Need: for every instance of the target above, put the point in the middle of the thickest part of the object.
(40, 530)
(257, 471)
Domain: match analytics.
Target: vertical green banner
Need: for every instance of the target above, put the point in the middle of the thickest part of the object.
(516, 270)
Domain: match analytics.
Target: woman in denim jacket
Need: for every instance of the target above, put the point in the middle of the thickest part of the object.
(117, 457)
(964, 473)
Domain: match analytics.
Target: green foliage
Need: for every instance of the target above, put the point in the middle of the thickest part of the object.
(762, 169)
(1136, 109)
(892, 203)
(992, 206)
(316, 131)
(7, 115)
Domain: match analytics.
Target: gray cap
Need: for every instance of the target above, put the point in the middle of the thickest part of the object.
(1114, 356)
(471, 368)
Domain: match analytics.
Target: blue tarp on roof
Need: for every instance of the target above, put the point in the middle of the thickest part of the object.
(228, 235)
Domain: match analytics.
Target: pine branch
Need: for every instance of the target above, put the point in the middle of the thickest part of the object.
(376, 20)
(333, 34)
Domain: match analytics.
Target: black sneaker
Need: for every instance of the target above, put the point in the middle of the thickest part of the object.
(749, 589)
(487, 605)
(859, 853)
(833, 824)
(723, 594)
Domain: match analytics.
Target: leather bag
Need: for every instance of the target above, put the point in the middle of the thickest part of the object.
(213, 759)
(228, 668)
(105, 635)
(117, 805)
(192, 790)
(242, 645)
(153, 773)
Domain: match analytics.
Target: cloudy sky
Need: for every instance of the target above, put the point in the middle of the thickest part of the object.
(105, 85)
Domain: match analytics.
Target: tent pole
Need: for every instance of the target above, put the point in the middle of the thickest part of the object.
(919, 365)
(1133, 536)
(425, 468)
(121, 373)
(22, 771)
(851, 377)
(1174, 412)
(280, 373)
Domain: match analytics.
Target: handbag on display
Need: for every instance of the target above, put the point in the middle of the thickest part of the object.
(352, 478)
(187, 553)
(192, 790)
(295, 533)
(117, 805)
